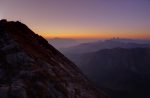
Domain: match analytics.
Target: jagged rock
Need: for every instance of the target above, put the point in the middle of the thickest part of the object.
(31, 68)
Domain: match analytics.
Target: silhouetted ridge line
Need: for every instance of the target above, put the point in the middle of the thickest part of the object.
(32, 68)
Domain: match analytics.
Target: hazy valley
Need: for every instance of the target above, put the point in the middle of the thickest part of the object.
(119, 66)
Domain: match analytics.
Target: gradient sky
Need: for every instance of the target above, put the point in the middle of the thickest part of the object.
(81, 18)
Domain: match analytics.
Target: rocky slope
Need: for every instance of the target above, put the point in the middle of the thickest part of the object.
(31, 68)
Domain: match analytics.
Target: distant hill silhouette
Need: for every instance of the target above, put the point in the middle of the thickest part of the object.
(106, 44)
(67, 42)
(122, 72)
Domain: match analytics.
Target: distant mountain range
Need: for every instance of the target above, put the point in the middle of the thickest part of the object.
(67, 42)
(106, 44)
(120, 66)
(121, 72)
(138, 41)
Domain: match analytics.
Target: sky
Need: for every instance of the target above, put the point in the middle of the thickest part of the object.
(81, 18)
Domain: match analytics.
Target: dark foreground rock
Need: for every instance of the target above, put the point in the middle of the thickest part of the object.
(31, 68)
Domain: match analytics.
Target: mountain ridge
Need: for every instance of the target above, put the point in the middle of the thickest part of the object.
(35, 69)
(106, 44)
(124, 72)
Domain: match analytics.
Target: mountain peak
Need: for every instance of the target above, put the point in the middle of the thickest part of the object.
(6, 22)
(31, 68)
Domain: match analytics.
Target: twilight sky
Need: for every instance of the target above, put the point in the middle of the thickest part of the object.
(81, 18)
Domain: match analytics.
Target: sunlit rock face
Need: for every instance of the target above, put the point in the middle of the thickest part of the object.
(31, 68)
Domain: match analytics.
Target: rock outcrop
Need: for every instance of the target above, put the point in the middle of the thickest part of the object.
(31, 68)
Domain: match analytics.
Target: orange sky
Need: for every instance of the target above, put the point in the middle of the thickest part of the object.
(95, 34)
(81, 18)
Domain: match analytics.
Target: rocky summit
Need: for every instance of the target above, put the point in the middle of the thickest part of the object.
(32, 68)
